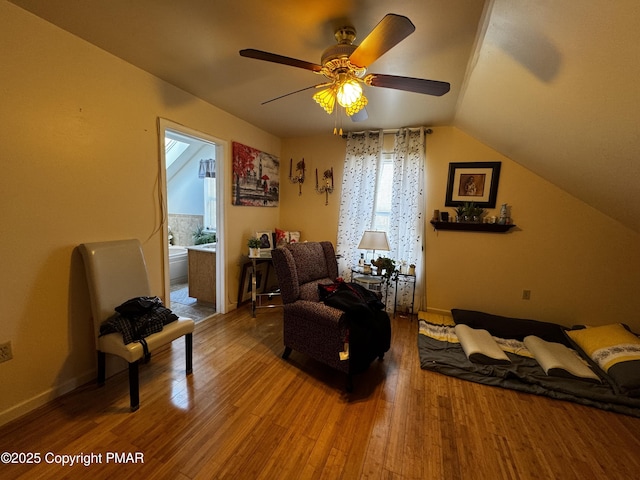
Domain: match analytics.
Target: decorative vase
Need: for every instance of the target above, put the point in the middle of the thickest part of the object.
(504, 215)
(254, 252)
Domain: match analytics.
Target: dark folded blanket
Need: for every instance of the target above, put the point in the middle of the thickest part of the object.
(369, 325)
(138, 318)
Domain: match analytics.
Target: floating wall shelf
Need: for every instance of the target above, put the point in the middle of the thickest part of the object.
(472, 227)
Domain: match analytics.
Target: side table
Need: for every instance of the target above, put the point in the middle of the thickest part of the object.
(256, 298)
(370, 282)
(406, 278)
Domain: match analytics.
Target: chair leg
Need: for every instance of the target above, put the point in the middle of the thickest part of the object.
(188, 344)
(102, 368)
(134, 386)
(286, 353)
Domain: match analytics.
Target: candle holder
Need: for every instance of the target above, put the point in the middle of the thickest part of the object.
(327, 184)
(299, 176)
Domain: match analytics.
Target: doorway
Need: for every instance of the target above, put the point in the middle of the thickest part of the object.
(192, 174)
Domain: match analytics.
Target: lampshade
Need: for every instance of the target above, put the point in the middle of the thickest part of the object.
(347, 91)
(326, 98)
(374, 240)
(355, 107)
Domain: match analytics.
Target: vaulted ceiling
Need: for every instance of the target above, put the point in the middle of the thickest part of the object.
(551, 84)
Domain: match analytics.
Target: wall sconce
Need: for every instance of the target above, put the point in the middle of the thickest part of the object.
(299, 176)
(327, 184)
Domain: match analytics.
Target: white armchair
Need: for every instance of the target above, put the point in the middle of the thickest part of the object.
(116, 272)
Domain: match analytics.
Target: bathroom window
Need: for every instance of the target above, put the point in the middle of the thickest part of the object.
(173, 149)
(210, 204)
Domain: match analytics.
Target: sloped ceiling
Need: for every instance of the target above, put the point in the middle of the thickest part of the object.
(554, 86)
(551, 84)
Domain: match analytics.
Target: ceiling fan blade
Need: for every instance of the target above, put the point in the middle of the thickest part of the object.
(360, 116)
(409, 84)
(297, 91)
(391, 30)
(272, 57)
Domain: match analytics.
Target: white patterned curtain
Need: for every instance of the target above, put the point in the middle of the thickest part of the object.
(359, 178)
(406, 221)
(406, 225)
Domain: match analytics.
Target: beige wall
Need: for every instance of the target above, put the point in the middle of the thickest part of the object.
(79, 155)
(308, 212)
(580, 265)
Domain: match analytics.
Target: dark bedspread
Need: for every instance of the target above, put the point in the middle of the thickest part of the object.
(523, 374)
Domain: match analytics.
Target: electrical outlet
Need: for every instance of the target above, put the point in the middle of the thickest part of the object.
(5, 352)
(526, 294)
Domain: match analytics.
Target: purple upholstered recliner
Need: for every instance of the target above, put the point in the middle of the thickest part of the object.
(310, 326)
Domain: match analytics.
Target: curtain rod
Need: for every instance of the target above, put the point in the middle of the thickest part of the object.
(427, 131)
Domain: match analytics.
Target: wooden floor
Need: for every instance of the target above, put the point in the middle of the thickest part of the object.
(246, 414)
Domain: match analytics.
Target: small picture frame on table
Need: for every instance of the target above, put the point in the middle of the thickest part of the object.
(266, 240)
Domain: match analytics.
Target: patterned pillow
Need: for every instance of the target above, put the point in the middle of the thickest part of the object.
(614, 350)
(283, 237)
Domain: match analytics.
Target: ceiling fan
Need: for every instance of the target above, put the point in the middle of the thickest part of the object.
(345, 65)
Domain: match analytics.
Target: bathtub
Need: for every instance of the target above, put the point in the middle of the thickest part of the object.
(178, 264)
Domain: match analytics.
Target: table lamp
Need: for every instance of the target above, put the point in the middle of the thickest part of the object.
(374, 240)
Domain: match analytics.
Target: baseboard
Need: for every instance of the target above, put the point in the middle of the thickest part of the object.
(439, 311)
(45, 397)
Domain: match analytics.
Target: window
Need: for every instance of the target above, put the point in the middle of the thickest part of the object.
(384, 191)
(173, 149)
(210, 204)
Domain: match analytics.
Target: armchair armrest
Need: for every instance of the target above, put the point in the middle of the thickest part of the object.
(316, 312)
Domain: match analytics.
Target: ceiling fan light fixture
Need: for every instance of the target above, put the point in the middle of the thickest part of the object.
(357, 106)
(349, 92)
(326, 98)
(344, 65)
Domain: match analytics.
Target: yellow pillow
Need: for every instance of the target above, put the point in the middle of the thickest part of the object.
(607, 345)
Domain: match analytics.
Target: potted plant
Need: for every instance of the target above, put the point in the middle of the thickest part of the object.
(254, 246)
(472, 213)
(476, 214)
(200, 237)
(387, 268)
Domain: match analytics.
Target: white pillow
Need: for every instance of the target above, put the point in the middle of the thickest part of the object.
(559, 360)
(480, 347)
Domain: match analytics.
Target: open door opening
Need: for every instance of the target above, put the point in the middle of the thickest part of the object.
(193, 220)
